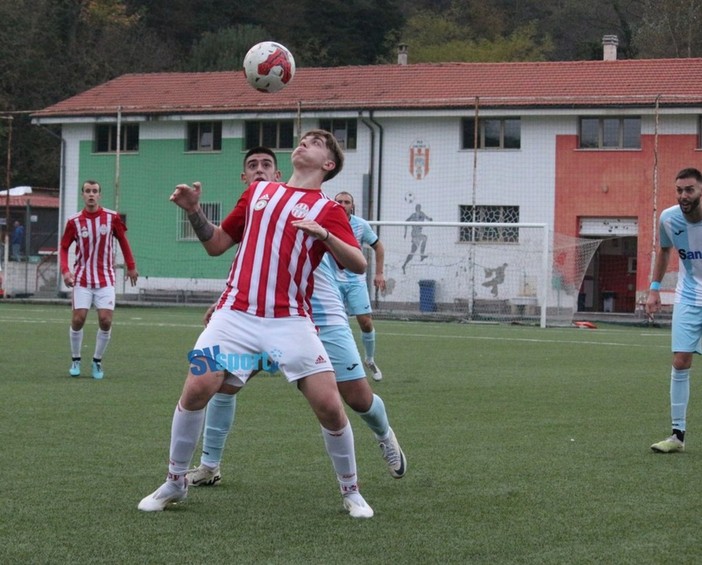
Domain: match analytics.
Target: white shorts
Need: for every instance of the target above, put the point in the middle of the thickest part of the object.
(103, 298)
(232, 339)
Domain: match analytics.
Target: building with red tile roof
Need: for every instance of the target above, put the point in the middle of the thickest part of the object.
(588, 148)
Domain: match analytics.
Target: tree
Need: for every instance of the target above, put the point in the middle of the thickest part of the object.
(53, 49)
(432, 38)
(224, 50)
(670, 28)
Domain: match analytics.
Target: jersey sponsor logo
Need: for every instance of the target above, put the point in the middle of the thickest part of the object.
(103, 229)
(261, 204)
(300, 210)
(689, 255)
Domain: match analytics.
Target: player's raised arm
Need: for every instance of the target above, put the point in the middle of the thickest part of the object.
(349, 256)
(213, 238)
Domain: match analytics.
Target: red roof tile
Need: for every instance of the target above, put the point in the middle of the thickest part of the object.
(34, 200)
(439, 85)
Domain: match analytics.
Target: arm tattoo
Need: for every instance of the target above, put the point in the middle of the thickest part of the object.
(201, 225)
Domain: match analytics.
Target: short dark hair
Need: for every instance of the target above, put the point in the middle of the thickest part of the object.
(90, 181)
(689, 173)
(347, 194)
(333, 146)
(261, 149)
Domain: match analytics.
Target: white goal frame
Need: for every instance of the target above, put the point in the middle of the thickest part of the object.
(544, 272)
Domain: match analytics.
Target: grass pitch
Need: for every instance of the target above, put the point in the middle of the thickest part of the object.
(524, 446)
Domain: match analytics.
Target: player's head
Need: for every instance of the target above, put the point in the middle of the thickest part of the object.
(260, 163)
(346, 200)
(688, 188)
(335, 161)
(92, 183)
(91, 191)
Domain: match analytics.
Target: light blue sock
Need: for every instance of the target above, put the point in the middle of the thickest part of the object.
(368, 339)
(376, 418)
(679, 397)
(218, 421)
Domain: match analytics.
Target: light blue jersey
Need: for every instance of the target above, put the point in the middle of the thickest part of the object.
(686, 237)
(365, 236)
(327, 304)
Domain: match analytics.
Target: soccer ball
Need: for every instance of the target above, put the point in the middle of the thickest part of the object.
(409, 197)
(269, 66)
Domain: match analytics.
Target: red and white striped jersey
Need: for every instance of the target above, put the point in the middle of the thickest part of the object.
(94, 234)
(272, 272)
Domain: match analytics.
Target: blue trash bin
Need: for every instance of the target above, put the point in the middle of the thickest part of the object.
(427, 296)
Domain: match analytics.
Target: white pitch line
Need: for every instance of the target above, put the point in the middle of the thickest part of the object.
(528, 340)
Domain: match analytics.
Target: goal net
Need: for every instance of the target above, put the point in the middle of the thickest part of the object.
(492, 272)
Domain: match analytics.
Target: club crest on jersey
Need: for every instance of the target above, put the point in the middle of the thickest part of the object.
(300, 210)
(84, 232)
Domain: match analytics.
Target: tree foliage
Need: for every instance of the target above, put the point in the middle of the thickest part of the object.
(433, 38)
(53, 49)
(224, 50)
(670, 28)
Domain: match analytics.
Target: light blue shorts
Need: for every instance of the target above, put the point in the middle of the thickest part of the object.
(687, 328)
(355, 296)
(343, 353)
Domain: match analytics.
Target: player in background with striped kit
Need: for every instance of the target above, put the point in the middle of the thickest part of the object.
(283, 231)
(93, 230)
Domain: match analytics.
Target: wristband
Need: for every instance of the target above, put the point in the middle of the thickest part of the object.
(326, 237)
(655, 285)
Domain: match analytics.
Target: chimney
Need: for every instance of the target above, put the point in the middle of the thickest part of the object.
(609, 44)
(402, 54)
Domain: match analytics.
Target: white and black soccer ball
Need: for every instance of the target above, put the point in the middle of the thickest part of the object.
(269, 66)
(409, 197)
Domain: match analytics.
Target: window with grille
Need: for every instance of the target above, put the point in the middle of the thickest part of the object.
(205, 136)
(105, 140)
(610, 133)
(213, 212)
(272, 134)
(345, 131)
(492, 133)
(489, 214)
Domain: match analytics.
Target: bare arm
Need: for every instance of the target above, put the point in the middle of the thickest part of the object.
(349, 256)
(379, 276)
(213, 238)
(653, 302)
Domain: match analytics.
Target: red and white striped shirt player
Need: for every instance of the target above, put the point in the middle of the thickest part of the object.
(283, 231)
(272, 273)
(93, 230)
(94, 234)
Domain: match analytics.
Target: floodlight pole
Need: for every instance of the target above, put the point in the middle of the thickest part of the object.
(8, 178)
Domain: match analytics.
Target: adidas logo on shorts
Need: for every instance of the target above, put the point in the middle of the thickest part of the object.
(320, 360)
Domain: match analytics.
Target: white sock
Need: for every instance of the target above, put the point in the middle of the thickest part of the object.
(185, 432)
(101, 341)
(341, 450)
(76, 338)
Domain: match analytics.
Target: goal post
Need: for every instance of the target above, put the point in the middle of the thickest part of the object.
(480, 271)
